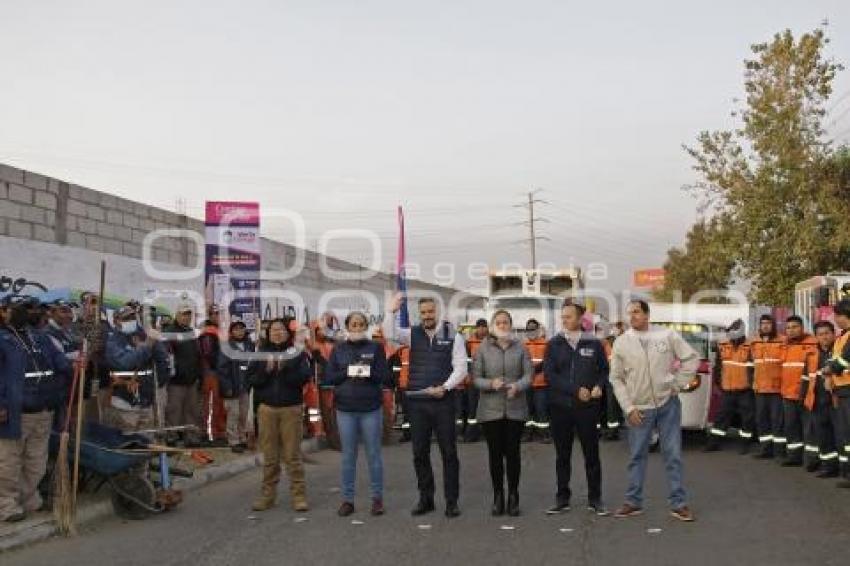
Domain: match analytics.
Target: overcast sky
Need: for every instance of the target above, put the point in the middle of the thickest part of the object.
(343, 110)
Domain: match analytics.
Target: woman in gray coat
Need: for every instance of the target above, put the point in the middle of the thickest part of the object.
(502, 370)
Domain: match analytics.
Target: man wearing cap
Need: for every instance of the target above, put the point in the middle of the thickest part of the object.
(60, 329)
(733, 372)
(538, 424)
(184, 387)
(232, 374)
(34, 377)
(766, 351)
(138, 363)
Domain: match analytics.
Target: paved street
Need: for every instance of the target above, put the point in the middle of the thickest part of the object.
(749, 512)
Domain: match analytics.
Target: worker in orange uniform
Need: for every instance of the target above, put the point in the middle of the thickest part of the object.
(799, 359)
(734, 371)
(837, 373)
(324, 334)
(471, 394)
(767, 381)
(403, 370)
(538, 395)
(820, 403)
(213, 415)
(388, 394)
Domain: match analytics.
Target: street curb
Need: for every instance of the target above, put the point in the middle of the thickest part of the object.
(46, 528)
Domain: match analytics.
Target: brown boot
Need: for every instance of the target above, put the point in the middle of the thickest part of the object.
(263, 503)
(299, 503)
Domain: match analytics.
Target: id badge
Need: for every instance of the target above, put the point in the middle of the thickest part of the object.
(359, 371)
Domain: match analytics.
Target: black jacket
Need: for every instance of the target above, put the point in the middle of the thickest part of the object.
(283, 385)
(233, 370)
(353, 394)
(567, 369)
(187, 355)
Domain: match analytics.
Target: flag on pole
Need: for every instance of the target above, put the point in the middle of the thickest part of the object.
(401, 280)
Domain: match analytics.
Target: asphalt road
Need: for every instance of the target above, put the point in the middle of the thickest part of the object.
(748, 512)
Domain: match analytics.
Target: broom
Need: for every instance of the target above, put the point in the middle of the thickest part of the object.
(63, 499)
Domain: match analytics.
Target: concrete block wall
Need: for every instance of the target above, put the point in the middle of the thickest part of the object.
(40, 208)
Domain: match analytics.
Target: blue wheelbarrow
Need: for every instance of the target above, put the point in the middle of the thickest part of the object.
(108, 456)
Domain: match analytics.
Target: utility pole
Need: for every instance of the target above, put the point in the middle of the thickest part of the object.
(532, 220)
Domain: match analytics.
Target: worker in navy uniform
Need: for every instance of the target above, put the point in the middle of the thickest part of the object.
(138, 362)
(437, 366)
(60, 329)
(34, 377)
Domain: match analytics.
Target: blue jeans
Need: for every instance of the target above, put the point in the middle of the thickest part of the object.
(668, 420)
(368, 427)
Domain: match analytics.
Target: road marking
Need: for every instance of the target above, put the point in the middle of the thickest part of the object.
(424, 527)
(566, 530)
(356, 522)
(508, 527)
(653, 531)
(252, 517)
(300, 519)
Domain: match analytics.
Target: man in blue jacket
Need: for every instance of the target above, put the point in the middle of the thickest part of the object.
(575, 366)
(34, 377)
(138, 365)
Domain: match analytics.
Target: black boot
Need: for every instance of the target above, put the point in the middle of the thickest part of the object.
(812, 466)
(744, 448)
(425, 505)
(827, 472)
(765, 452)
(793, 460)
(712, 444)
(513, 504)
(498, 504)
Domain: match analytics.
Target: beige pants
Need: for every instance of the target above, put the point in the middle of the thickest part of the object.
(237, 419)
(281, 431)
(129, 421)
(23, 462)
(183, 408)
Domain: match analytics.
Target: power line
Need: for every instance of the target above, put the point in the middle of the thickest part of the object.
(533, 238)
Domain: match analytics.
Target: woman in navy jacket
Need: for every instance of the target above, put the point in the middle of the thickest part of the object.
(358, 371)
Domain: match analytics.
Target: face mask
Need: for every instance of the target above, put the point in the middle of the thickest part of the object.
(129, 326)
(356, 336)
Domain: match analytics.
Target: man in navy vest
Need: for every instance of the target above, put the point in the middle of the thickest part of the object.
(437, 366)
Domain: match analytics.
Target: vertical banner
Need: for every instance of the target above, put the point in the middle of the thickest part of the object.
(233, 258)
(401, 281)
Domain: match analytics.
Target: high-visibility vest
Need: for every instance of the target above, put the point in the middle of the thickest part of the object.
(472, 346)
(537, 351)
(404, 374)
(767, 362)
(799, 360)
(842, 380)
(735, 365)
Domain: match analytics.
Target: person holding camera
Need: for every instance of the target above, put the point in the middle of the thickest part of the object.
(358, 371)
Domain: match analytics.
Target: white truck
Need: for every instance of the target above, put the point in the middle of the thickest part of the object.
(532, 293)
(702, 325)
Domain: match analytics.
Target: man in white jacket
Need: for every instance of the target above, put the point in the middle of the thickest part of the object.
(647, 385)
